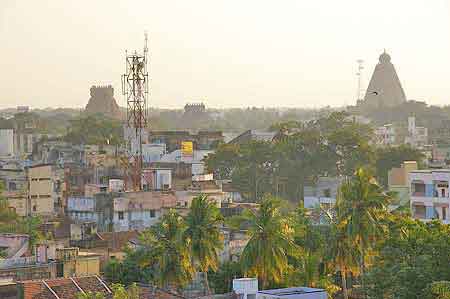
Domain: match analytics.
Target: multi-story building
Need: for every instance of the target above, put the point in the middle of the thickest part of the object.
(417, 136)
(398, 182)
(429, 194)
(139, 210)
(41, 190)
(15, 189)
(385, 135)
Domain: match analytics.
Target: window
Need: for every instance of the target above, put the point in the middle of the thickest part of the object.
(327, 192)
(120, 215)
(444, 213)
(152, 214)
(12, 186)
(34, 208)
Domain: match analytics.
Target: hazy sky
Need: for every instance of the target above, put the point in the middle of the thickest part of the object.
(230, 53)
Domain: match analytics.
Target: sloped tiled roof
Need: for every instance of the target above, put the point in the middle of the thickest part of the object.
(63, 288)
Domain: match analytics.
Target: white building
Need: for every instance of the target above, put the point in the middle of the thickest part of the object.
(292, 293)
(153, 152)
(385, 135)
(247, 288)
(417, 136)
(429, 194)
(196, 159)
(323, 193)
(6, 142)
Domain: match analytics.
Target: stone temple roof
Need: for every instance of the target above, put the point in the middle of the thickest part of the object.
(385, 89)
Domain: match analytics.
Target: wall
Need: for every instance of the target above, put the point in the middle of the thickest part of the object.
(41, 190)
(85, 266)
(6, 142)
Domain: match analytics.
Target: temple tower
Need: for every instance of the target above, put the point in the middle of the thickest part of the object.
(385, 89)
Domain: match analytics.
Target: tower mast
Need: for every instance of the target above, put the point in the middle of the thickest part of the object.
(135, 90)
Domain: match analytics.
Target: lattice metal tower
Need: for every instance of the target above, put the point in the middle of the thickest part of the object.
(135, 90)
(359, 76)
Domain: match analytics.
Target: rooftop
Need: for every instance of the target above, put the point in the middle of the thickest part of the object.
(287, 292)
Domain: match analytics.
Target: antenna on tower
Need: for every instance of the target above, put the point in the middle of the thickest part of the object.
(359, 76)
(135, 90)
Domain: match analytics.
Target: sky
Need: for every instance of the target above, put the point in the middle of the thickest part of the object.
(226, 53)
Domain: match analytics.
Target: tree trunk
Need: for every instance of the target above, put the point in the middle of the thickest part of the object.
(344, 284)
(208, 289)
(362, 266)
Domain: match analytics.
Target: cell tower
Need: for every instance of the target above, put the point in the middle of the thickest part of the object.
(135, 90)
(359, 75)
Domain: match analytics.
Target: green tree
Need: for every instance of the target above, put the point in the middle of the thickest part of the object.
(223, 161)
(411, 257)
(129, 270)
(95, 129)
(361, 210)
(203, 234)
(120, 292)
(438, 290)
(221, 280)
(91, 295)
(390, 157)
(166, 252)
(301, 156)
(270, 243)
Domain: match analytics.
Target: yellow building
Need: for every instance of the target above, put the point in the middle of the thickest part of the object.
(72, 262)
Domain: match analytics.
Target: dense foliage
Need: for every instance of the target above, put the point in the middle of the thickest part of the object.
(94, 129)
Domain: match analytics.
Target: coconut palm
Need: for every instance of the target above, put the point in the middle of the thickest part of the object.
(203, 234)
(166, 251)
(270, 243)
(361, 207)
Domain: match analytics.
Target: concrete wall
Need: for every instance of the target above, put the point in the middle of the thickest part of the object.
(41, 190)
(6, 142)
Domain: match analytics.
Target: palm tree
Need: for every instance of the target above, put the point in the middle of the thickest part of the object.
(361, 207)
(203, 234)
(166, 251)
(344, 253)
(270, 244)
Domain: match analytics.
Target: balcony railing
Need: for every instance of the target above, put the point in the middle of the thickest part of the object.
(17, 262)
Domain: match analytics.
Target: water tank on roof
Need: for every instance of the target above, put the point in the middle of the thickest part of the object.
(245, 288)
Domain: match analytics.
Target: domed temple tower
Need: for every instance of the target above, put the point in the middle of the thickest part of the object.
(385, 89)
(102, 101)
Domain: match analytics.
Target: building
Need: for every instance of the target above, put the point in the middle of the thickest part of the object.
(385, 89)
(73, 262)
(14, 245)
(429, 194)
(292, 293)
(196, 160)
(247, 288)
(173, 140)
(417, 136)
(253, 135)
(15, 189)
(323, 193)
(62, 288)
(385, 135)
(398, 181)
(6, 142)
(156, 179)
(42, 190)
(140, 210)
